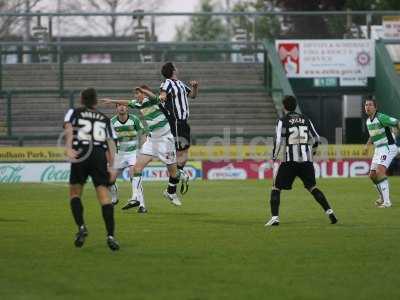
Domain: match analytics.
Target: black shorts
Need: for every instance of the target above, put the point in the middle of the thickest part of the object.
(95, 166)
(181, 131)
(288, 171)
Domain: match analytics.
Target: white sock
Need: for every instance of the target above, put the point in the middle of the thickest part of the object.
(379, 191)
(384, 188)
(137, 189)
(114, 192)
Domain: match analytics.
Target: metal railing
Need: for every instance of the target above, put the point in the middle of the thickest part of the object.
(258, 25)
(71, 97)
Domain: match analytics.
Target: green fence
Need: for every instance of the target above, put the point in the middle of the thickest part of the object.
(387, 82)
(275, 83)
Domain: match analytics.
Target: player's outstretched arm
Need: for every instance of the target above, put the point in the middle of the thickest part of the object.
(195, 89)
(162, 97)
(112, 101)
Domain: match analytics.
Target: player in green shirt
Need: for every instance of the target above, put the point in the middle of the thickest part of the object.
(160, 141)
(379, 127)
(130, 136)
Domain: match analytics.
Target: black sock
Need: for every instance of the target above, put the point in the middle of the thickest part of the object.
(320, 198)
(77, 211)
(108, 216)
(275, 202)
(173, 181)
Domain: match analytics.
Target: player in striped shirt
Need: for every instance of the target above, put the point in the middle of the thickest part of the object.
(175, 94)
(129, 130)
(297, 132)
(379, 127)
(159, 142)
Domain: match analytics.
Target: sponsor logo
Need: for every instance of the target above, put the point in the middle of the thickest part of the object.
(51, 173)
(227, 172)
(159, 172)
(10, 174)
(336, 169)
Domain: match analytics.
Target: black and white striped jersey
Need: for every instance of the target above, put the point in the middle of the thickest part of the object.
(295, 133)
(177, 105)
(91, 127)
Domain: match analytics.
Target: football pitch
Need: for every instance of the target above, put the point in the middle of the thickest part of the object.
(213, 247)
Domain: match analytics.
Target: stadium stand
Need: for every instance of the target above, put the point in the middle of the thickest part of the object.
(224, 105)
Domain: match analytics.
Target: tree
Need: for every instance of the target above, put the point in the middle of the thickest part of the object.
(106, 26)
(202, 28)
(15, 25)
(332, 25)
(312, 26)
(260, 27)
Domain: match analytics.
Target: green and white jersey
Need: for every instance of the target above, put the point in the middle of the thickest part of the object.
(127, 132)
(156, 121)
(379, 129)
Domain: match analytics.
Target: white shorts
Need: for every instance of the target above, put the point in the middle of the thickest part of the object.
(124, 160)
(161, 147)
(384, 156)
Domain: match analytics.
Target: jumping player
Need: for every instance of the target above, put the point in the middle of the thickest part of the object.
(159, 142)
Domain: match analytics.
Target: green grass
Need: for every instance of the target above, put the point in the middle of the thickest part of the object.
(213, 247)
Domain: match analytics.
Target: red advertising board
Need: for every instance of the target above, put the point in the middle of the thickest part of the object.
(250, 169)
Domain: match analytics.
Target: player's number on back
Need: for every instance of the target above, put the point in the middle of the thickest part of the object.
(85, 131)
(298, 135)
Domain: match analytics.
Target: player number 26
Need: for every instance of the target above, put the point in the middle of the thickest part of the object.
(298, 135)
(99, 131)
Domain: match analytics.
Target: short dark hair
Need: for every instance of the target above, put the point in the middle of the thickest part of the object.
(370, 98)
(289, 103)
(168, 69)
(89, 97)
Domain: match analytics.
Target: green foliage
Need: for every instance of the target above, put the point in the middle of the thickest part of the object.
(258, 28)
(202, 28)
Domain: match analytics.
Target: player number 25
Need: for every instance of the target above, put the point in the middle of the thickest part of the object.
(298, 135)
(99, 131)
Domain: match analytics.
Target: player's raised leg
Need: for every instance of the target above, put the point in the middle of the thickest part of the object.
(182, 157)
(170, 192)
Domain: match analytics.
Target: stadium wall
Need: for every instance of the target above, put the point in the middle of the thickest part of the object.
(41, 164)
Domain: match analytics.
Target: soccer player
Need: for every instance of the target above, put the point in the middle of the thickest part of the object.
(174, 94)
(297, 132)
(159, 142)
(88, 136)
(379, 128)
(129, 130)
